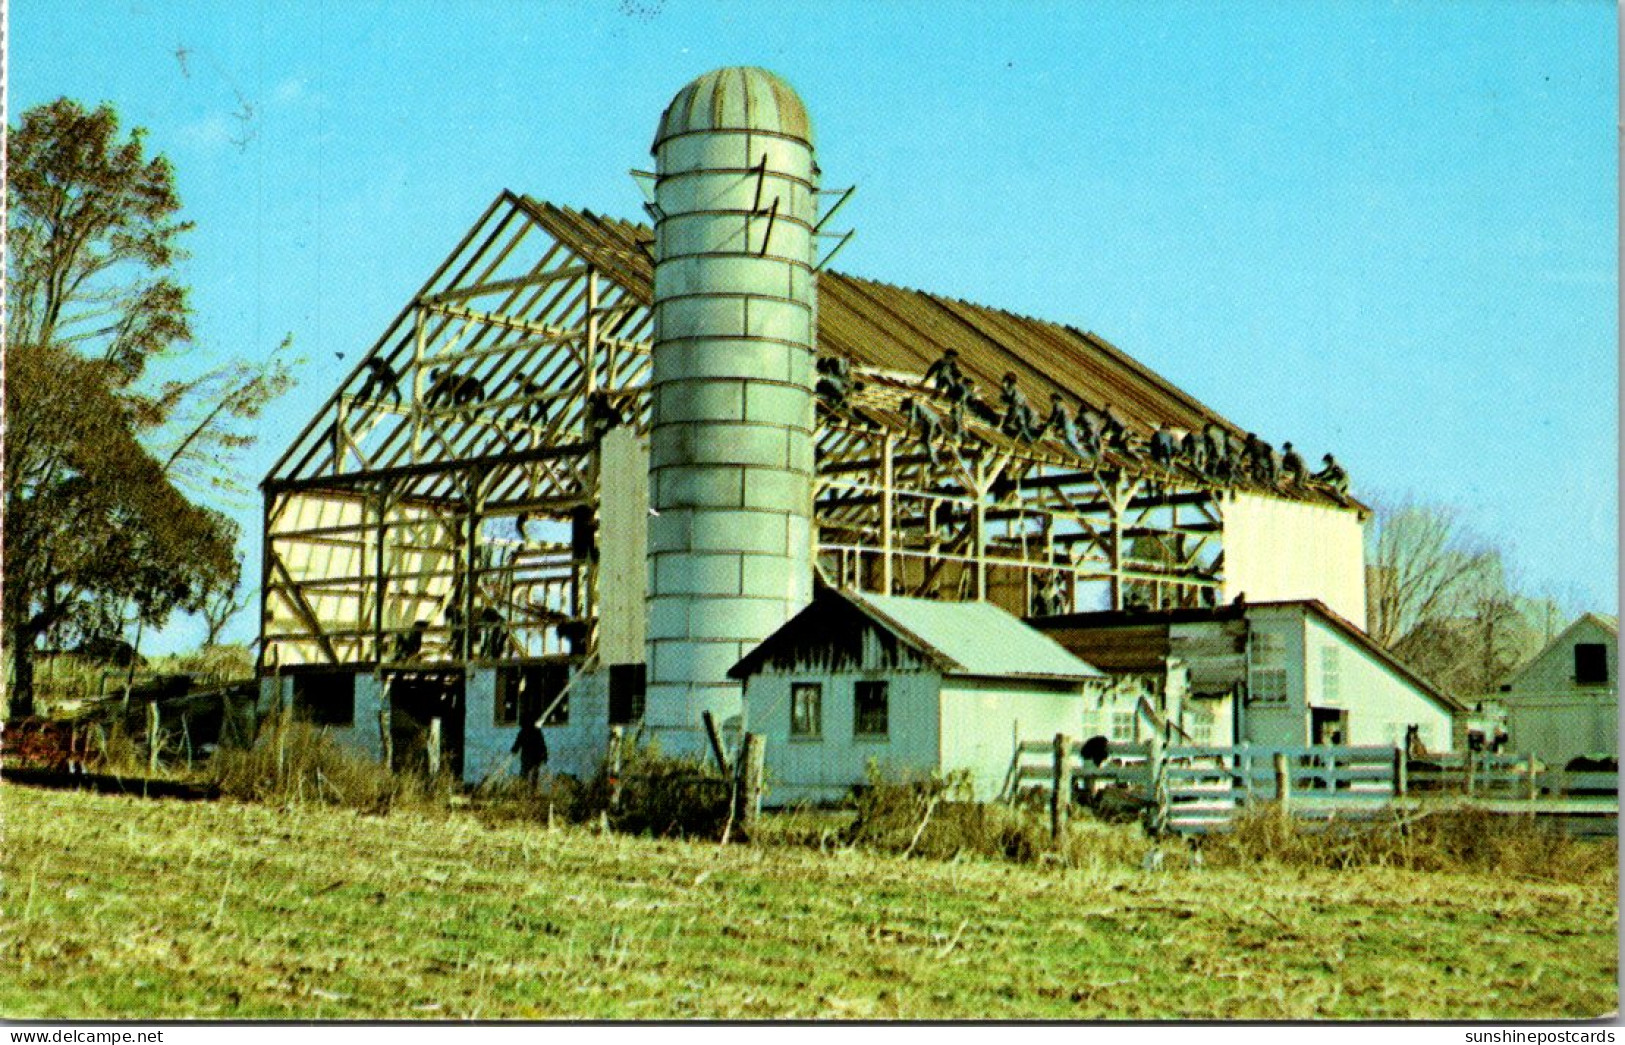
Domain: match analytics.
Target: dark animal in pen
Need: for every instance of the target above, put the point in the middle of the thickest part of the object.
(1593, 764)
(1423, 773)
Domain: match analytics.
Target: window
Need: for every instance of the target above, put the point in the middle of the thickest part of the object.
(1266, 655)
(325, 698)
(806, 709)
(1331, 676)
(524, 692)
(1590, 664)
(627, 685)
(869, 700)
(1201, 728)
(1123, 726)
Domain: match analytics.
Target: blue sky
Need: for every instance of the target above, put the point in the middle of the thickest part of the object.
(1385, 230)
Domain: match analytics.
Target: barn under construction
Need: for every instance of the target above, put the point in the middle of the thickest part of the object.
(592, 463)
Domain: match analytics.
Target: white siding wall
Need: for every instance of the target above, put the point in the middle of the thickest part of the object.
(486, 747)
(1276, 551)
(1555, 729)
(363, 732)
(982, 717)
(575, 748)
(1284, 723)
(623, 539)
(1380, 702)
(1553, 671)
(825, 769)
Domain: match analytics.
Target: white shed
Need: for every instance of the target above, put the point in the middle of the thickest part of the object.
(1286, 674)
(1565, 702)
(912, 685)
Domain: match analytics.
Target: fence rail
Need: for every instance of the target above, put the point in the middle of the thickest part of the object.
(1199, 788)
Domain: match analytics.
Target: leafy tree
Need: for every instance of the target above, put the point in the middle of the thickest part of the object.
(90, 519)
(95, 526)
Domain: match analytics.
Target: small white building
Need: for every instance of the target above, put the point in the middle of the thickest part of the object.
(912, 685)
(1565, 702)
(1281, 674)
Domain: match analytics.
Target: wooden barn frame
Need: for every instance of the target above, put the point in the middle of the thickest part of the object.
(442, 505)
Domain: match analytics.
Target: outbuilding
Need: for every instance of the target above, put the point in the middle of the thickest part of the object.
(1282, 674)
(1565, 702)
(912, 686)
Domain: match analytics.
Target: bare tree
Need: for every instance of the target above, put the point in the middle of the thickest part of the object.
(1422, 567)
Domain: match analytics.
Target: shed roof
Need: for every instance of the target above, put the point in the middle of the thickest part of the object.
(960, 638)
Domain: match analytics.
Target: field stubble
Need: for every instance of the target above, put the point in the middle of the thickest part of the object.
(122, 908)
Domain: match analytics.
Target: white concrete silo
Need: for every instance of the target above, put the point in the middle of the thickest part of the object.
(731, 431)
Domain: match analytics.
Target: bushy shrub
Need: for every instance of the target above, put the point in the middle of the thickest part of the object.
(657, 794)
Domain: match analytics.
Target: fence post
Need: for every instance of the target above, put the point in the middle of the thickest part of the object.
(1529, 776)
(1283, 782)
(712, 735)
(1469, 770)
(1060, 800)
(434, 746)
(1401, 773)
(615, 767)
(152, 736)
(1156, 783)
(752, 758)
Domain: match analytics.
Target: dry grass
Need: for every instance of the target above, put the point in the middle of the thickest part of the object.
(292, 761)
(121, 908)
(1448, 837)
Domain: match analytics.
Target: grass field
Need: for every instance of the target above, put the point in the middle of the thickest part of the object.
(118, 907)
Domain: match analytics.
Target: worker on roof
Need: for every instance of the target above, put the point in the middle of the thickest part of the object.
(1163, 446)
(1333, 475)
(1292, 468)
(1060, 422)
(381, 378)
(834, 380)
(1018, 422)
(1194, 449)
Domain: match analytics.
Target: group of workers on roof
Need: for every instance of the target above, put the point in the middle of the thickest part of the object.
(1214, 453)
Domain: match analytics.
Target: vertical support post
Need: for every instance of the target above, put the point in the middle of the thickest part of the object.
(1530, 787)
(186, 739)
(980, 523)
(888, 511)
(1283, 782)
(590, 364)
(1401, 772)
(470, 557)
(152, 736)
(1117, 556)
(1470, 768)
(434, 746)
(615, 734)
(417, 381)
(380, 581)
(1060, 799)
(386, 741)
(265, 588)
(752, 758)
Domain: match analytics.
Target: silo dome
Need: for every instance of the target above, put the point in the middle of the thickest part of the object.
(736, 98)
